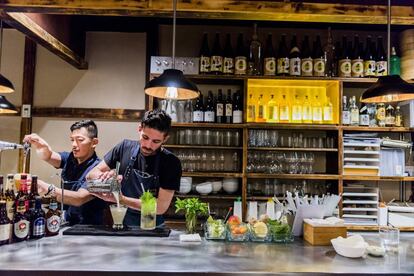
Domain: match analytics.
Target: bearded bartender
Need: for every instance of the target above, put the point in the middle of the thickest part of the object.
(143, 162)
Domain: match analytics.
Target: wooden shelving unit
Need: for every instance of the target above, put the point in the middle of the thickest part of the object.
(294, 176)
(377, 178)
(376, 129)
(213, 174)
(209, 196)
(202, 147)
(295, 149)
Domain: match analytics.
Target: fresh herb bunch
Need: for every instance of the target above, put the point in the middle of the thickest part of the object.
(148, 202)
(147, 196)
(191, 206)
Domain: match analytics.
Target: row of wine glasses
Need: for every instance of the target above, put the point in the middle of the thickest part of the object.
(280, 162)
(193, 161)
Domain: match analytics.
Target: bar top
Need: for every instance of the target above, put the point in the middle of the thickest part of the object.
(90, 255)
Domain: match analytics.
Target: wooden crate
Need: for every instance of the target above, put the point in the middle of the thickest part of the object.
(322, 235)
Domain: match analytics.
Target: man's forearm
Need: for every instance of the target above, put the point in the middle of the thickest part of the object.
(72, 198)
(133, 203)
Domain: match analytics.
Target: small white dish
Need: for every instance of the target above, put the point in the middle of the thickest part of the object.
(217, 185)
(230, 185)
(352, 247)
(204, 188)
(377, 251)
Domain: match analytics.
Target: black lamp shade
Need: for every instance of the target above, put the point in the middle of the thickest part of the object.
(5, 85)
(6, 106)
(172, 85)
(388, 89)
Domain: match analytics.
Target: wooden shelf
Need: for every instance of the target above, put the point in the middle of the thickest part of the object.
(376, 129)
(377, 178)
(259, 198)
(207, 125)
(294, 176)
(212, 174)
(373, 228)
(302, 127)
(209, 196)
(294, 149)
(202, 147)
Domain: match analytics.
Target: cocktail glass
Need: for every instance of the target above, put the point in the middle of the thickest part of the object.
(118, 214)
(148, 214)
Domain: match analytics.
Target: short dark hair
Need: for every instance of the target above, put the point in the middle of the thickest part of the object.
(157, 119)
(89, 125)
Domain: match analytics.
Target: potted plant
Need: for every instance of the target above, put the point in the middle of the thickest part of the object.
(192, 208)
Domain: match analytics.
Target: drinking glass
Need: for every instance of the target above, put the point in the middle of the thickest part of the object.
(390, 238)
(118, 214)
(188, 136)
(198, 137)
(148, 214)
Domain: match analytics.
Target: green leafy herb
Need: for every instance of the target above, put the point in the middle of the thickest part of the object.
(191, 206)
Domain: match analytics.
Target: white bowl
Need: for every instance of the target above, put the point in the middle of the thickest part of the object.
(204, 188)
(352, 247)
(230, 185)
(217, 186)
(185, 185)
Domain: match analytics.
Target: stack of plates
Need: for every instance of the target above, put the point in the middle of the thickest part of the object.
(407, 54)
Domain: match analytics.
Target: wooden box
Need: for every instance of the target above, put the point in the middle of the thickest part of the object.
(321, 234)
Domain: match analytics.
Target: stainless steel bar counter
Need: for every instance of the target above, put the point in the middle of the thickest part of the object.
(93, 255)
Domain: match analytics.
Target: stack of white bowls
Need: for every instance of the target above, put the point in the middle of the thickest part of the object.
(230, 185)
(185, 185)
(204, 188)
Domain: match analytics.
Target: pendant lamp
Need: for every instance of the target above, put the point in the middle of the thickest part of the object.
(392, 88)
(6, 107)
(5, 85)
(172, 83)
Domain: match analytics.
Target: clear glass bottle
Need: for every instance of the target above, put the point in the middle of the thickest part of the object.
(398, 117)
(346, 116)
(297, 110)
(354, 112)
(251, 109)
(317, 110)
(328, 111)
(284, 110)
(261, 110)
(272, 110)
(307, 110)
(381, 114)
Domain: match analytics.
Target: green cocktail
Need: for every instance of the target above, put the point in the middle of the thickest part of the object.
(148, 211)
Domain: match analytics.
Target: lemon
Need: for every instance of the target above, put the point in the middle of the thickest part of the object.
(260, 229)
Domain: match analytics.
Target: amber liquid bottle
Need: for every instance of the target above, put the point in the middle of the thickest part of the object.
(33, 193)
(53, 218)
(5, 224)
(205, 56)
(21, 223)
(10, 196)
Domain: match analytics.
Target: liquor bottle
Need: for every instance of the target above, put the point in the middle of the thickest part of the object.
(10, 196)
(328, 112)
(294, 58)
(5, 224)
(297, 110)
(205, 56)
(269, 58)
(389, 116)
(338, 55)
(363, 116)
(21, 223)
(228, 59)
(255, 55)
(307, 110)
(240, 61)
(33, 193)
(219, 107)
(283, 58)
(381, 114)
(198, 110)
(2, 197)
(354, 112)
(329, 51)
(395, 65)
(346, 115)
(369, 59)
(229, 108)
(251, 109)
(398, 117)
(307, 61)
(216, 57)
(357, 62)
(318, 59)
(209, 115)
(284, 110)
(317, 110)
(272, 110)
(53, 218)
(381, 66)
(261, 110)
(23, 194)
(237, 108)
(37, 220)
(345, 60)
(372, 110)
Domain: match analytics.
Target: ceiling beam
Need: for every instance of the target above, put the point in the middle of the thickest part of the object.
(52, 32)
(328, 12)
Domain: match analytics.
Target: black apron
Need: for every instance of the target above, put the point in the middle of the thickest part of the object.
(131, 184)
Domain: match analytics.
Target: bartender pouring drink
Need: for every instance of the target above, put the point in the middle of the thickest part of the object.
(143, 163)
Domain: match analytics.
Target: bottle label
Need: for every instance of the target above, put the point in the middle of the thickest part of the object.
(327, 114)
(381, 68)
(209, 116)
(273, 113)
(381, 114)
(204, 64)
(53, 224)
(294, 66)
(39, 227)
(5, 232)
(355, 117)
(229, 110)
(216, 64)
(21, 229)
(198, 116)
(346, 119)
(357, 68)
(270, 66)
(10, 211)
(369, 68)
(296, 113)
(317, 114)
(390, 120)
(240, 65)
(219, 110)
(307, 113)
(345, 68)
(319, 67)
(307, 67)
(228, 67)
(237, 116)
(284, 113)
(283, 65)
(261, 112)
(364, 120)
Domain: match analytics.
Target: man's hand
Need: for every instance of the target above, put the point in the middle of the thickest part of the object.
(43, 149)
(109, 197)
(42, 187)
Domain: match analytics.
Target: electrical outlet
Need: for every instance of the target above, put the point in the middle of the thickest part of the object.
(26, 111)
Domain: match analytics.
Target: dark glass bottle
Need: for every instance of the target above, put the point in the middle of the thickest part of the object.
(237, 108)
(2, 197)
(294, 58)
(357, 62)
(229, 108)
(205, 56)
(33, 192)
(329, 51)
(307, 61)
(10, 196)
(381, 60)
(5, 224)
(369, 59)
(283, 58)
(269, 57)
(228, 59)
(255, 55)
(345, 60)
(240, 61)
(23, 194)
(37, 220)
(198, 110)
(209, 116)
(338, 54)
(318, 59)
(21, 223)
(220, 107)
(53, 218)
(216, 57)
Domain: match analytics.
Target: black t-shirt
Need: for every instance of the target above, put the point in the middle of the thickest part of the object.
(169, 164)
